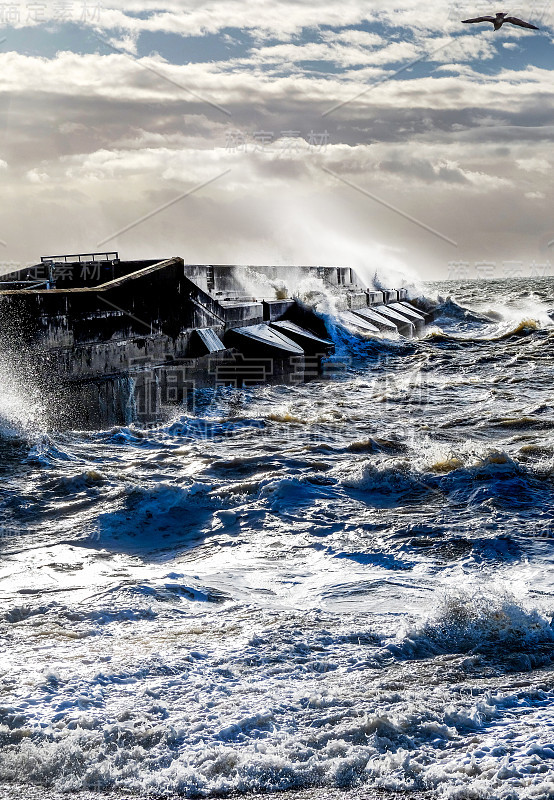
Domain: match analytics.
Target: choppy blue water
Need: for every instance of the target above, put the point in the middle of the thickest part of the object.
(340, 584)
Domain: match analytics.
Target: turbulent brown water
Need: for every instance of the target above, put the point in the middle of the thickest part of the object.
(341, 585)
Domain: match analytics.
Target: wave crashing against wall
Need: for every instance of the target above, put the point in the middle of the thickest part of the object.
(117, 337)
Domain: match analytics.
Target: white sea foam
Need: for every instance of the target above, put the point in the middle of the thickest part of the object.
(345, 583)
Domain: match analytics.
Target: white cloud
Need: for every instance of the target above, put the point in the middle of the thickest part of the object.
(35, 176)
(283, 18)
(265, 17)
(462, 149)
(534, 165)
(121, 78)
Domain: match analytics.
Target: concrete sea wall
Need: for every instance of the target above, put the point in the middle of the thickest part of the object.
(112, 342)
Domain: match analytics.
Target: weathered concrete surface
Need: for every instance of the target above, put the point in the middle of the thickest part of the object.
(277, 309)
(405, 326)
(75, 275)
(310, 343)
(242, 314)
(406, 310)
(356, 320)
(375, 298)
(381, 322)
(391, 296)
(204, 341)
(146, 393)
(234, 281)
(357, 300)
(156, 302)
(261, 340)
(409, 312)
(424, 308)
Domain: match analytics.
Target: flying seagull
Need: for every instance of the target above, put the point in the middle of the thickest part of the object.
(499, 20)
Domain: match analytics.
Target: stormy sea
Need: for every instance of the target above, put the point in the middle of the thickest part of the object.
(326, 588)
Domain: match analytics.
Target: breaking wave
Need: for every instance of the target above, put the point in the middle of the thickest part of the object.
(490, 622)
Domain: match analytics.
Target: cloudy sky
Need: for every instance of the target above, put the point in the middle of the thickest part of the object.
(279, 131)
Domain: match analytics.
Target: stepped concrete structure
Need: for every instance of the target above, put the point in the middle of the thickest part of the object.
(112, 341)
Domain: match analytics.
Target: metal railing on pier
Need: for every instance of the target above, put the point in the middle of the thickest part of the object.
(110, 256)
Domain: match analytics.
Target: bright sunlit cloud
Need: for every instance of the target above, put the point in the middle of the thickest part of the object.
(109, 112)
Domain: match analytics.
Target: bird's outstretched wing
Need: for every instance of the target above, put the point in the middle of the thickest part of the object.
(521, 23)
(479, 19)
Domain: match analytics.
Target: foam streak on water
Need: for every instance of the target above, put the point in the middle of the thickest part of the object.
(342, 585)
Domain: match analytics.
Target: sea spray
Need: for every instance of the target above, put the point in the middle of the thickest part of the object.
(21, 408)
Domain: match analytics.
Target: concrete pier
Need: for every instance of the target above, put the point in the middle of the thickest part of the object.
(116, 340)
(310, 343)
(402, 321)
(355, 320)
(378, 320)
(410, 313)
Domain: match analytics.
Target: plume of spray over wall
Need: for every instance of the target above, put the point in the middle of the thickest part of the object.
(315, 231)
